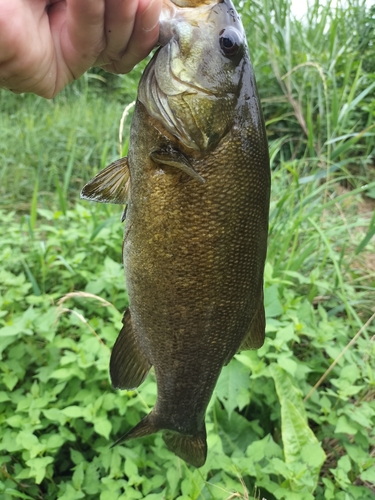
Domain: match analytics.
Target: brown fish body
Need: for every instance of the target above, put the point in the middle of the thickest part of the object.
(195, 240)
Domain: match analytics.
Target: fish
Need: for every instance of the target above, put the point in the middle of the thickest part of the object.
(196, 185)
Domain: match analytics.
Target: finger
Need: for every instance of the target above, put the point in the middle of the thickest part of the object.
(143, 39)
(82, 38)
(23, 65)
(119, 23)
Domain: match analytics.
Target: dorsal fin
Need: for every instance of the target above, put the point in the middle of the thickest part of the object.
(110, 185)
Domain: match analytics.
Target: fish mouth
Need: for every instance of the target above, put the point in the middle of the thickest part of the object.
(170, 39)
(193, 3)
(192, 12)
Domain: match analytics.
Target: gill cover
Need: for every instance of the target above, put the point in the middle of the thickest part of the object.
(193, 82)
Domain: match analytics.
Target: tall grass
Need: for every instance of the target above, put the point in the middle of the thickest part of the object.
(56, 144)
(317, 83)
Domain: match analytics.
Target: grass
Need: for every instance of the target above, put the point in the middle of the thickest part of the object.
(58, 414)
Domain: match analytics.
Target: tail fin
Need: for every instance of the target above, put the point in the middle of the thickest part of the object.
(192, 449)
(145, 427)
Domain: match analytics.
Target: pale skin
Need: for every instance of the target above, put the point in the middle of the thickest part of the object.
(46, 44)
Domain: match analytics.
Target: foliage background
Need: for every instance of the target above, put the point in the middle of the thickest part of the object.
(62, 290)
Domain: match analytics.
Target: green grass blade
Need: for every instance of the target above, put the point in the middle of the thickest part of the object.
(368, 237)
(61, 196)
(69, 170)
(32, 279)
(34, 206)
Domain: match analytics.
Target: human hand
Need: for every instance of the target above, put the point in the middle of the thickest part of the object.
(46, 44)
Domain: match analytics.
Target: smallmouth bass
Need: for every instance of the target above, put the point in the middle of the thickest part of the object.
(196, 183)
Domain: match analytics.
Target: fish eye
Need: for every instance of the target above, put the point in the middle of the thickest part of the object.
(230, 41)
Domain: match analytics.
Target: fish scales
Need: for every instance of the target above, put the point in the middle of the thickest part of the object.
(195, 235)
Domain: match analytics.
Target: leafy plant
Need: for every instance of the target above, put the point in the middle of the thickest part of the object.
(293, 420)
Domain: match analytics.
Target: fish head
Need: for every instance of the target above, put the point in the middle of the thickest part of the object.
(195, 80)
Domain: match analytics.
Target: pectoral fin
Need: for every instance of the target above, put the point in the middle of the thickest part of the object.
(111, 185)
(175, 158)
(255, 338)
(128, 366)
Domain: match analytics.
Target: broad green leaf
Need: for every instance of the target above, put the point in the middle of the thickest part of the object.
(288, 364)
(252, 360)
(363, 414)
(285, 335)
(9, 380)
(71, 494)
(154, 496)
(296, 433)
(286, 390)
(132, 493)
(4, 397)
(68, 373)
(286, 494)
(54, 442)
(359, 455)
(344, 463)
(91, 481)
(109, 495)
(76, 456)
(329, 493)
(102, 426)
(27, 439)
(38, 467)
(313, 455)
(131, 471)
(115, 463)
(17, 494)
(298, 439)
(263, 448)
(345, 427)
(15, 421)
(369, 475)
(233, 386)
(5, 342)
(78, 476)
(46, 325)
(272, 303)
(13, 330)
(74, 411)
(54, 414)
(173, 480)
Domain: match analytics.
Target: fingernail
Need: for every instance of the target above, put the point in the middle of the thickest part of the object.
(150, 16)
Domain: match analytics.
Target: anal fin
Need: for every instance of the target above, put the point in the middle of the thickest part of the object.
(174, 158)
(129, 365)
(255, 337)
(110, 185)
